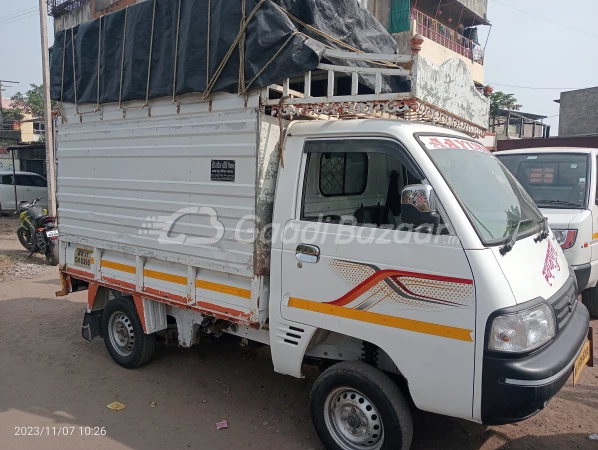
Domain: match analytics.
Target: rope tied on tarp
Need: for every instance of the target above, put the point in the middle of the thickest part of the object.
(122, 62)
(99, 63)
(220, 68)
(176, 52)
(149, 60)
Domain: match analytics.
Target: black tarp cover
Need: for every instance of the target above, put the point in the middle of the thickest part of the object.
(277, 45)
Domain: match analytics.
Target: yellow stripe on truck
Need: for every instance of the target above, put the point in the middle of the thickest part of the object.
(118, 266)
(223, 288)
(165, 277)
(178, 279)
(460, 334)
(595, 236)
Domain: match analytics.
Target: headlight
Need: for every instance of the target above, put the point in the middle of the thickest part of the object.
(522, 331)
(565, 238)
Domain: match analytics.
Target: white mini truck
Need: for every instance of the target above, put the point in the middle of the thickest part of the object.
(401, 257)
(383, 250)
(562, 182)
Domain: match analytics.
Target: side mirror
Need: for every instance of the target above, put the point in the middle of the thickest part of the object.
(418, 208)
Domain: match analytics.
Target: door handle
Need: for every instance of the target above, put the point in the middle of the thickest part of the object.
(308, 253)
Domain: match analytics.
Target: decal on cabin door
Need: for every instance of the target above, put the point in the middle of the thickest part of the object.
(371, 286)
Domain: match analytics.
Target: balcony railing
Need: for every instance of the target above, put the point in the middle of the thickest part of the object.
(447, 37)
(9, 125)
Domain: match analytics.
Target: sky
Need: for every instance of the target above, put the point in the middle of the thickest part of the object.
(522, 50)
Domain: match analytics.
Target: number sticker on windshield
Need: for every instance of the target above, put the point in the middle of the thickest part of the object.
(437, 142)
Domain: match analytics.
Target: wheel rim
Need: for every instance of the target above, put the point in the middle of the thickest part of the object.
(353, 420)
(121, 333)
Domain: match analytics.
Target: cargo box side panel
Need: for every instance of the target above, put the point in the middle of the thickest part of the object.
(175, 185)
(163, 202)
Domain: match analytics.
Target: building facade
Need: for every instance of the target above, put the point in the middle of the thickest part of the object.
(68, 13)
(579, 112)
(450, 27)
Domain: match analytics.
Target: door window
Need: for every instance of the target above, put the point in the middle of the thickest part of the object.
(39, 182)
(24, 180)
(356, 181)
(6, 179)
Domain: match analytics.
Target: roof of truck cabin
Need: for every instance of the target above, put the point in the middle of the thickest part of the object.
(367, 126)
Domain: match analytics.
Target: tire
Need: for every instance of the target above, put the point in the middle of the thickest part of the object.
(590, 299)
(350, 392)
(131, 348)
(24, 237)
(52, 254)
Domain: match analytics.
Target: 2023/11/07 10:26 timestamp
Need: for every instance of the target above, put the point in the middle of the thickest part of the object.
(60, 431)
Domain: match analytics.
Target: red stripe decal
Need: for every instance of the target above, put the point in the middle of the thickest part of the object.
(376, 278)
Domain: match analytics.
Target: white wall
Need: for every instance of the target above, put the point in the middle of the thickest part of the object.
(74, 17)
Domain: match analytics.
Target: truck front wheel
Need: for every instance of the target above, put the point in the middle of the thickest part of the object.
(123, 334)
(355, 406)
(590, 299)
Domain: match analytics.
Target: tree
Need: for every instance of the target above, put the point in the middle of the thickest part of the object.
(12, 115)
(32, 102)
(499, 101)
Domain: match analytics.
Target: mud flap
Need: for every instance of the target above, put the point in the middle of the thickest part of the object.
(91, 325)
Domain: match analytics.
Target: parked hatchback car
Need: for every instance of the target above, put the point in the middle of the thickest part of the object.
(29, 186)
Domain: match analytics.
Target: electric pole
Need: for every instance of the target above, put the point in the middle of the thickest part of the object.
(48, 119)
(2, 86)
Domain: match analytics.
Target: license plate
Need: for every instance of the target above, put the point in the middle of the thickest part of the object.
(83, 257)
(52, 233)
(581, 361)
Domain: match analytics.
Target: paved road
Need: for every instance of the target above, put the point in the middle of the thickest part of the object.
(51, 377)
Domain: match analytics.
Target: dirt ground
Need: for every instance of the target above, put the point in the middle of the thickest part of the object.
(51, 377)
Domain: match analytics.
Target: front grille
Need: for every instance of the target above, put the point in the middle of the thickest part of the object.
(564, 303)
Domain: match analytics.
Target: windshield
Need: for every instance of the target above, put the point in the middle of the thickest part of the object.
(489, 194)
(553, 180)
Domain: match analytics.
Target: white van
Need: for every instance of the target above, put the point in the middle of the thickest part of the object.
(29, 186)
(562, 182)
(378, 249)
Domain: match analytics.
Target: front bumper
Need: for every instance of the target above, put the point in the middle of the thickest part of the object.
(514, 389)
(582, 273)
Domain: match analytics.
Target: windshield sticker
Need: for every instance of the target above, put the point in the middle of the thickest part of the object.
(574, 166)
(532, 157)
(436, 142)
(550, 263)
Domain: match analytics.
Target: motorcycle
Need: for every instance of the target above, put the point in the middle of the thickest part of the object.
(37, 232)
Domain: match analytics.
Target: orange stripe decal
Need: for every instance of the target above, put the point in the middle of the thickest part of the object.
(366, 285)
(165, 276)
(120, 267)
(223, 289)
(460, 334)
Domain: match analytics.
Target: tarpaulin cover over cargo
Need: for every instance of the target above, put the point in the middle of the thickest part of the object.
(172, 47)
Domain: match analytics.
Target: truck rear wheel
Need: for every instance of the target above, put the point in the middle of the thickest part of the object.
(590, 299)
(52, 254)
(123, 334)
(355, 406)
